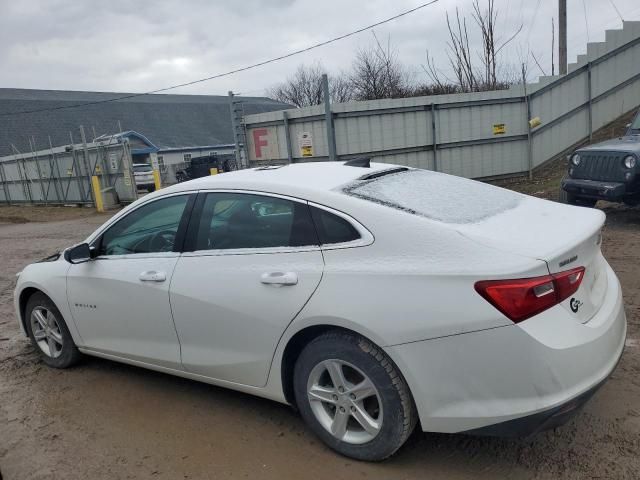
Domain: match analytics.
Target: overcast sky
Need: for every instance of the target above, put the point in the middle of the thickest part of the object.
(135, 46)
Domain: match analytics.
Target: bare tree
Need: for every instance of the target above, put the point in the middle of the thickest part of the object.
(377, 73)
(304, 87)
(473, 74)
(340, 88)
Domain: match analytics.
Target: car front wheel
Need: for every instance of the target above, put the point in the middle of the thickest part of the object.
(49, 333)
(353, 397)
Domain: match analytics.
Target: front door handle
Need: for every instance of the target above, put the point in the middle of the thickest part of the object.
(279, 278)
(153, 276)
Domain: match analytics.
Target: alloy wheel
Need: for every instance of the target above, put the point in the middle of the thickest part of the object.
(46, 331)
(345, 401)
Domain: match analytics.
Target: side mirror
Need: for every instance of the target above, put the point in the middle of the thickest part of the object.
(80, 253)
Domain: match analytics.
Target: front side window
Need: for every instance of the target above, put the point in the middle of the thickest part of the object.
(149, 229)
(239, 220)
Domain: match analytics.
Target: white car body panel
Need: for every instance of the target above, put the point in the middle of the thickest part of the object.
(105, 298)
(229, 323)
(407, 286)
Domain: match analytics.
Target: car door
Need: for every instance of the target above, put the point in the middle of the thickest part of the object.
(120, 300)
(255, 261)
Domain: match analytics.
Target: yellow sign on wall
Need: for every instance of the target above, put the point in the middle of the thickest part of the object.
(305, 141)
(499, 129)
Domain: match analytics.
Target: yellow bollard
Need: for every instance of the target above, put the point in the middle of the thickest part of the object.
(97, 193)
(156, 179)
(213, 171)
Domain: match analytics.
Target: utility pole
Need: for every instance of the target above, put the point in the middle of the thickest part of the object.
(562, 37)
(553, 48)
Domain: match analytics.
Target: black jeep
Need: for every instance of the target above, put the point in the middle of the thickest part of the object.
(201, 166)
(608, 170)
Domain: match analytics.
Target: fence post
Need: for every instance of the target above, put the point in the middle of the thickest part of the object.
(3, 177)
(57, 185)
(590, 102)
(328, 117)
(36, 159)
(87, 162)
(434, 132)
(237, 132)
(527, 101)
(24, 179)
(287, 135)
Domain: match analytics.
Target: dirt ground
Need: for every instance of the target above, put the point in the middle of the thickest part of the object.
(103, 420)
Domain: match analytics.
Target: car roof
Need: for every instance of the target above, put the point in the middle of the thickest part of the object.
(310, 176)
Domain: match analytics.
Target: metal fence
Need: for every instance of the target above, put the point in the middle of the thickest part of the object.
(62, 175)
(475, 135)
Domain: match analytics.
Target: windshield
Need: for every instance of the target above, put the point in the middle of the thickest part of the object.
(142, 168)
(437, 196)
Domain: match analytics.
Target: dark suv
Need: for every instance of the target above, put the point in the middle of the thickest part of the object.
(201, 166)
(608, 170)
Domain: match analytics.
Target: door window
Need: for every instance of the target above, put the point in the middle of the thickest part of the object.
(239, 220)
(149, 229)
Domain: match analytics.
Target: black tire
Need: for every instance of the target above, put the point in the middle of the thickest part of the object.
(69, 353)
(571, 199)
(400, 416)
(586, 202)
(566, 197)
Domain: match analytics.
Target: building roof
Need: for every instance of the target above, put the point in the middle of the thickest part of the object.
(169, 121)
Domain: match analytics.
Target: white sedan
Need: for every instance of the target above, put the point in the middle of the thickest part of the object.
(372, 297)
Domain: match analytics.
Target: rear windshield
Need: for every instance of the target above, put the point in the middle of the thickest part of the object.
(142, 168)
(437, 196)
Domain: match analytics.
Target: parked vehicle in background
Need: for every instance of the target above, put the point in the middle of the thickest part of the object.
(608, 170)
(201, 166)
(374, 297)
(143, 174)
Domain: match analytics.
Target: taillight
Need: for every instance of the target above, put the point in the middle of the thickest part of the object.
(523, 298)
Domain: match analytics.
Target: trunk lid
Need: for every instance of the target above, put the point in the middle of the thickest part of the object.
(563, 236)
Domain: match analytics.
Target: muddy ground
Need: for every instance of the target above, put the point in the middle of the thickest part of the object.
(103, 420)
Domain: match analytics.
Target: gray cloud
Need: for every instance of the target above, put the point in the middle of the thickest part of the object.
(143, 45)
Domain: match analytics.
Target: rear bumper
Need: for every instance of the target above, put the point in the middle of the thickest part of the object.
(518, 379)
(538, 422)
(612, 191)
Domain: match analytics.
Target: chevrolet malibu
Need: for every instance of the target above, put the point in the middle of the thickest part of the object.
(372, 297)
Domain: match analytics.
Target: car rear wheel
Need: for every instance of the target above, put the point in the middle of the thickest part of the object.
(353, 396)
(49, 333)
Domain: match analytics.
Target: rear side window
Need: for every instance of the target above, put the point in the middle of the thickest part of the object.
(240, 220)
(332, 228)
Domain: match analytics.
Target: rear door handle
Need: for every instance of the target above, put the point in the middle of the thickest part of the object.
(152, 276)
(279, 278)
